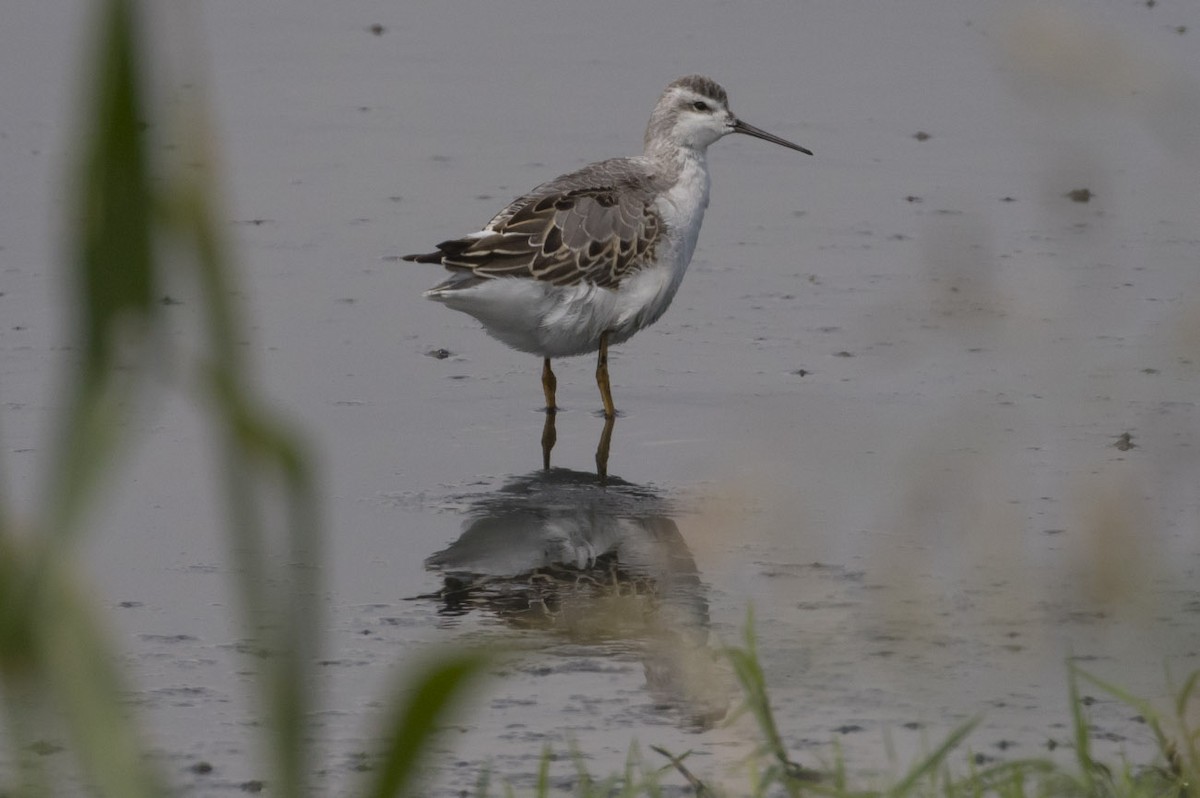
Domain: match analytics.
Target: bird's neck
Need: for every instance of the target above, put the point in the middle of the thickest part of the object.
(683, 203)
(672, 160)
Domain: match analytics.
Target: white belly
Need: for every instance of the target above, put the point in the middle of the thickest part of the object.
(536, 317)
(562, 321)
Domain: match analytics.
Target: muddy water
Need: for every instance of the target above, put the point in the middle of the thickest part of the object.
(931, 416)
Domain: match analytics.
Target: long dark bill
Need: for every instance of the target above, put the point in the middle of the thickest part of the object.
(750, 130)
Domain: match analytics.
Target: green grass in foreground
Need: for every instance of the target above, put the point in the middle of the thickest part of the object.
(771, 771)
(141, 222)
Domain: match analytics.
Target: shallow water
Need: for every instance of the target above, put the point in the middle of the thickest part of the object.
(886, 410)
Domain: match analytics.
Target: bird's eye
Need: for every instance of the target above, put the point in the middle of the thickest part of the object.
(700, 105)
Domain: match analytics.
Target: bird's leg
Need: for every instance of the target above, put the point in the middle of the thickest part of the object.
(610, 410)
(549, 438)
(602, 449)
(549, 386)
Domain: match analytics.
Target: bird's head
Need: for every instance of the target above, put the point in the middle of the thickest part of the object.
(693, 112)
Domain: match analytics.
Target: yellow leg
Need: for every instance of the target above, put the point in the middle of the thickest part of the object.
(549, 385)
(549, 438)
(610, 410)
(602, 449)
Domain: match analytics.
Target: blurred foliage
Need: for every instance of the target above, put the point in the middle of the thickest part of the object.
(138, 220)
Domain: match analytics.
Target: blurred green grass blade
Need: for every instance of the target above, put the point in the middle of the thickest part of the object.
(750, 676)
(927, 766)
(53, 647)
(15, 630)
(63, 652)
(113, 271)
(1079, 722)
(747, 669)
(543, 776)
(115, 265)
(263, 460)
(1190, 736)
(1168, 747)
(84, 679)
(1185, 693)
(698, 787)
(413, 726)
(1145, 708)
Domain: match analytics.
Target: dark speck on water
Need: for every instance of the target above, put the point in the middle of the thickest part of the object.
(153, 638)
(44, 747)
(440, 354)
(1080, 195)
(921, 135)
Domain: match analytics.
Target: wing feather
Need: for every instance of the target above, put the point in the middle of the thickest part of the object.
(598, 225)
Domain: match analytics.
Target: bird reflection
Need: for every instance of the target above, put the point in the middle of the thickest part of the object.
(553, 550)
(550, 437)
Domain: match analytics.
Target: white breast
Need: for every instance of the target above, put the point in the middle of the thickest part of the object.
(682, 208)
(646, 296)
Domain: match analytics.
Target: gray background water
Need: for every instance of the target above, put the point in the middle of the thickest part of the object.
(882, 410)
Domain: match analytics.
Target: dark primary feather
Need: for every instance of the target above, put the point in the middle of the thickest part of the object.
(596, 225)
(426, 257)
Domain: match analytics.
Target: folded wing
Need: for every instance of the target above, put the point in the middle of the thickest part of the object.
(563, 233)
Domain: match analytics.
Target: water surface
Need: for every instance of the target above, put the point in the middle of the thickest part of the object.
(887, 410)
